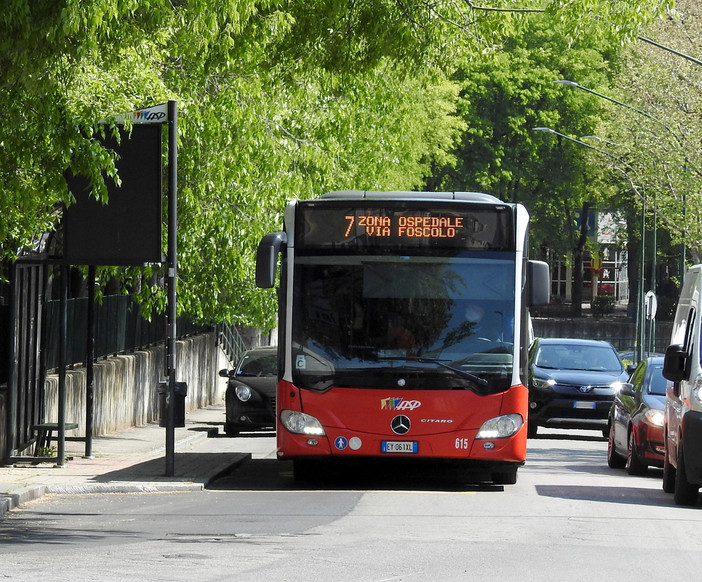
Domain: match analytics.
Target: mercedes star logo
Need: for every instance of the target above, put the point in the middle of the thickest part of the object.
(400, 424)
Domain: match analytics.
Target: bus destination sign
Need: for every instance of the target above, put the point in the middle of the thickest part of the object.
(405, 226)
(338, 227)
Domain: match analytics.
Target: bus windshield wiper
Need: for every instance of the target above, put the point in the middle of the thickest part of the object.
(422, 360)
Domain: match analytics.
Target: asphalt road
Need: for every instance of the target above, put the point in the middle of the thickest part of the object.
(569, 517)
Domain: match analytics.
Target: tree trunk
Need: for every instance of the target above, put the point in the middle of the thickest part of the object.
(578, 262)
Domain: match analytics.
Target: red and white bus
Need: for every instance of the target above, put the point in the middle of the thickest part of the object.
(403, 329)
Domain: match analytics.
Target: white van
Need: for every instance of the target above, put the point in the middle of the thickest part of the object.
(682, 464)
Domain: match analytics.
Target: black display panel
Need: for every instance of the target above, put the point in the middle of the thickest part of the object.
(402, 225)
(127, 230)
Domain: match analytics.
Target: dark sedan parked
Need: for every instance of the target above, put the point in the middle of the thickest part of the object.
(572, 383)
(250, 395)
(636, 420)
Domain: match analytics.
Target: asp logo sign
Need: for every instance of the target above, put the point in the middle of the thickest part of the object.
(399, 404)
(155, 115)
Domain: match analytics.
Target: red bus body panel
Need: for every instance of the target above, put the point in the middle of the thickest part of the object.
(443, 423)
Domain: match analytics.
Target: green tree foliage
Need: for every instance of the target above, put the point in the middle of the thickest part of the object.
(274, 105)
(278, 99)
(661, 141)
(508, 94)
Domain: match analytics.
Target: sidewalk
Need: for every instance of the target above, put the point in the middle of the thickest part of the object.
(135, 461)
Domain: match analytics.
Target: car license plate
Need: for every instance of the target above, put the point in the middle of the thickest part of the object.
(587, 405)
(399, 446)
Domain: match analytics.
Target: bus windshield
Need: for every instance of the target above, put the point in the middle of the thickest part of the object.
(413, 322)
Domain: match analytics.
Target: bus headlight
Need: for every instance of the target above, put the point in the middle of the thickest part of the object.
(500, 427)
(301, 423)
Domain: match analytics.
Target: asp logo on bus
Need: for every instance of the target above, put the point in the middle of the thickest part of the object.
(399, 404)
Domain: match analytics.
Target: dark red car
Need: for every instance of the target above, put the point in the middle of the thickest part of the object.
(636, 420)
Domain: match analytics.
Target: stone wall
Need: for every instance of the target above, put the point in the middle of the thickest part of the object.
(126, 386)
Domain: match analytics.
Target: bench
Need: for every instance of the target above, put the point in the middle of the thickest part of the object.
(45, 434)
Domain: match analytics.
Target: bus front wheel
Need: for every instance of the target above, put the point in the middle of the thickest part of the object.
(305, 469)
(504, 477)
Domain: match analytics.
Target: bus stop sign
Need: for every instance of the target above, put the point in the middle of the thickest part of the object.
(651, 305)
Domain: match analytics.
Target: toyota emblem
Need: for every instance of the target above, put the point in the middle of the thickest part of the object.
(585, 389)
(400, 424)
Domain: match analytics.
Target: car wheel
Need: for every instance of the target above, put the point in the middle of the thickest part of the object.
(613, 459)
(230, 431)
(532, 429)
(504, 477)
(685, 492)
(668, 473)
(634, 466)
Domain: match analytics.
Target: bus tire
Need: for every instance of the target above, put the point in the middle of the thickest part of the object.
(504, 477)
(685, 492)
(305, 470)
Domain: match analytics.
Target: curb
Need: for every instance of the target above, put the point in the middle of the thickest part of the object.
(9, 501)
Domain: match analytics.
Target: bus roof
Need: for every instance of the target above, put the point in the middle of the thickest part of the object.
(369, 194)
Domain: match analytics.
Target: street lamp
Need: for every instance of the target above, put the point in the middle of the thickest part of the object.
(620, 103)
(654, 261)
(640, 328)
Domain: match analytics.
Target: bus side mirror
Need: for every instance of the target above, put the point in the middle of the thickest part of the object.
(538, 283)
(267, 258)
(675, 363)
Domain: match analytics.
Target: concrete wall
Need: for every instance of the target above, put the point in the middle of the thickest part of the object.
(3, 429)
(126, 386)
(618, 332)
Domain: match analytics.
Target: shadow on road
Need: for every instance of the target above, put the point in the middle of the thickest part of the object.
(620, 495)
(274, 475)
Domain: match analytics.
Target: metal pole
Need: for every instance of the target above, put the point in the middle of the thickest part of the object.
(641, 316)
(63, 332)
(11, 442)
(90, 365)
(172, 279)
(654, 274)
(622, 104)
(670, 50)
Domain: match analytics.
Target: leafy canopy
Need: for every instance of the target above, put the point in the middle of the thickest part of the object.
(278, 99)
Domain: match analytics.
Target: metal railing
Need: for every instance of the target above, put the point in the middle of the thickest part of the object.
(230, 341)
(119, 329)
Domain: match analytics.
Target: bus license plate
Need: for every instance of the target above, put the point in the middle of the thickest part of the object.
(399, 446)
(581, 404)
